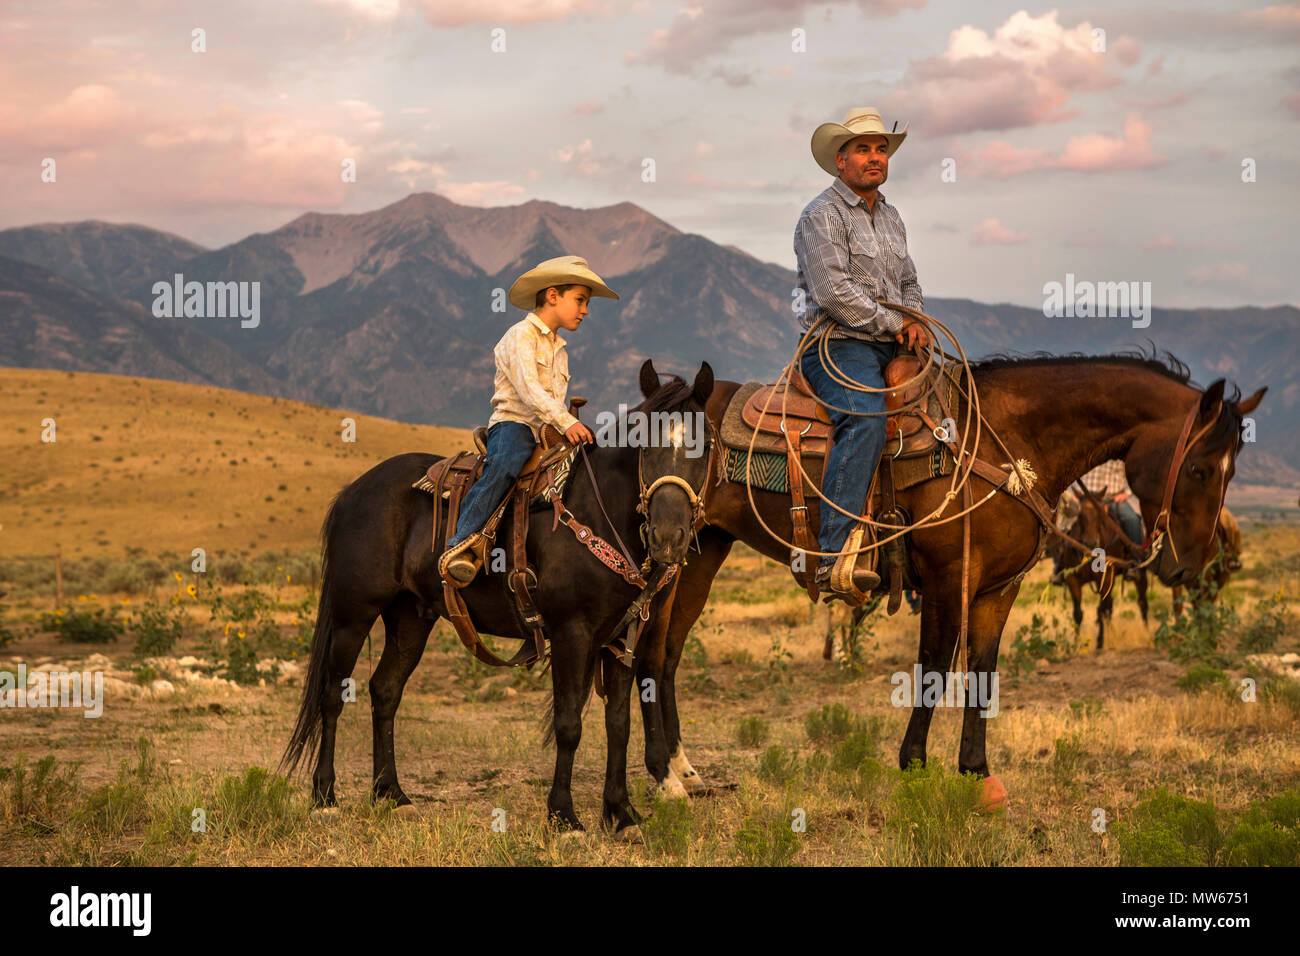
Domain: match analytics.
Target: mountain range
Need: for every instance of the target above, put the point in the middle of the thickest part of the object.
(394, 312)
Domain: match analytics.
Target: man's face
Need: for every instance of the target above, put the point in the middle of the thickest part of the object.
(864, 162)
(571, 307)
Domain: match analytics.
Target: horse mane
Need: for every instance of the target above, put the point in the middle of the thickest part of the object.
(1166, 364)
(1162, 363)
(670, 393)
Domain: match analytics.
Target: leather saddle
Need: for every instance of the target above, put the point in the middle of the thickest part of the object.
(908, 434)
(534, 479)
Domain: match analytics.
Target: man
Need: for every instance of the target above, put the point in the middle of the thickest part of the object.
(851, 249)
(532, 379)
(1110, 484)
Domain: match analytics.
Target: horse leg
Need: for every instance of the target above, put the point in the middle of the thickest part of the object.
(572, 670)
(617, 813)
(1141, 584)
(988, 617)
(649, 685)
(346, 640)
(1076, 596)
(1105, 607)
(405, 635)
(688, 604)
(939, 631)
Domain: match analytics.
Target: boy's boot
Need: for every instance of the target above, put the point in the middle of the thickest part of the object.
(459, 565)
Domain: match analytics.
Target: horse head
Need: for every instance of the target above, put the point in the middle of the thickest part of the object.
(1183, 512)
(676, 461)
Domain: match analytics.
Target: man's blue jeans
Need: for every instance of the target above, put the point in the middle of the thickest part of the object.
(1128, 519)
(508, 446)
(859, 439)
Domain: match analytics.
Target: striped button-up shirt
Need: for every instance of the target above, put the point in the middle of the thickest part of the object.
(532, 377)
(848, 258)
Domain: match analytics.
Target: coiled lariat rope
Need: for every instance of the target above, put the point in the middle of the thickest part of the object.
(1020, 476)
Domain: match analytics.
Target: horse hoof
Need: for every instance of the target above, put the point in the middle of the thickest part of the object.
(994, 797)
(629, 834)
(671, 788)
(694, 783)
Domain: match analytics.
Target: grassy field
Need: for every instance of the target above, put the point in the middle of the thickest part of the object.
(203, 684)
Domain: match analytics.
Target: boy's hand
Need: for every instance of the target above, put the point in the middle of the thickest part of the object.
(579, 433)
(913, 334)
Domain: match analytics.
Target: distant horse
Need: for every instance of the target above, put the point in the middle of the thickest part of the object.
(1225, 563)
(377, 561)
(1090, 528)
(1064, 415)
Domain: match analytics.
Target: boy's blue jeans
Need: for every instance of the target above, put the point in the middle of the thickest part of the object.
(508, 446)
(859, 440)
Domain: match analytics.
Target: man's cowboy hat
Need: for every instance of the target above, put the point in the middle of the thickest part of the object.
(859, 121)
(564, 270)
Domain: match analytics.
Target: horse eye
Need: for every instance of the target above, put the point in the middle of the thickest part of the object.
(1197, 471)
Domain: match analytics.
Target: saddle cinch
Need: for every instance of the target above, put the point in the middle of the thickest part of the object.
(543, 476)
(914, 451)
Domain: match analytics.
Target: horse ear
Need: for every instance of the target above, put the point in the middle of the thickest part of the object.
(1212, 398)
(1248, 405)
(704, 383)
(649, 378)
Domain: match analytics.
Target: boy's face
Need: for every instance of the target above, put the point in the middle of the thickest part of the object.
(571, 307)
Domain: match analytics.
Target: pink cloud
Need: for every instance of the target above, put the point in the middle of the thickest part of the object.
(992, 232)
(1097, 151)
(1022, 75)
(1093, 153)
(589, 108)
(1156, 65)
(1000, 160)
(703, 31)
(1292, 102)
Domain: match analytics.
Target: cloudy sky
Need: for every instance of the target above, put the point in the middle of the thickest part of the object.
(1125, 164)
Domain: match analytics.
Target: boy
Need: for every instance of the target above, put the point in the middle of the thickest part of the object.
(532, 379)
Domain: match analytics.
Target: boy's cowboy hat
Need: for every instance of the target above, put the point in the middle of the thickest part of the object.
(859, 121)
(564, 270)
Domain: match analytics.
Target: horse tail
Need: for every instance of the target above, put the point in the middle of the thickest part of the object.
(305, 740)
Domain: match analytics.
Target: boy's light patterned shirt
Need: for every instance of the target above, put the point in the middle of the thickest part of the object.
(532, 379)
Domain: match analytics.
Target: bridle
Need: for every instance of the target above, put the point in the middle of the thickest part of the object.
(1160, 532)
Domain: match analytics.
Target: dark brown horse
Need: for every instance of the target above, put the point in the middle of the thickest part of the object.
(1081, 569)
(1064, 415)
(377, 562)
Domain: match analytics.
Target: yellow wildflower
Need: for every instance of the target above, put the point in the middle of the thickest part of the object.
(192, 591)
(177, 575)
(81, 597)
(241, 635)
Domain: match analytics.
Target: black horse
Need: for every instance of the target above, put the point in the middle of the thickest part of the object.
(377, 561)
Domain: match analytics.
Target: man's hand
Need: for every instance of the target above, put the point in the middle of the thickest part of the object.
(579, 433)
(913, 334)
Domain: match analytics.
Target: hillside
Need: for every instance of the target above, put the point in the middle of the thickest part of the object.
(169, 466)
